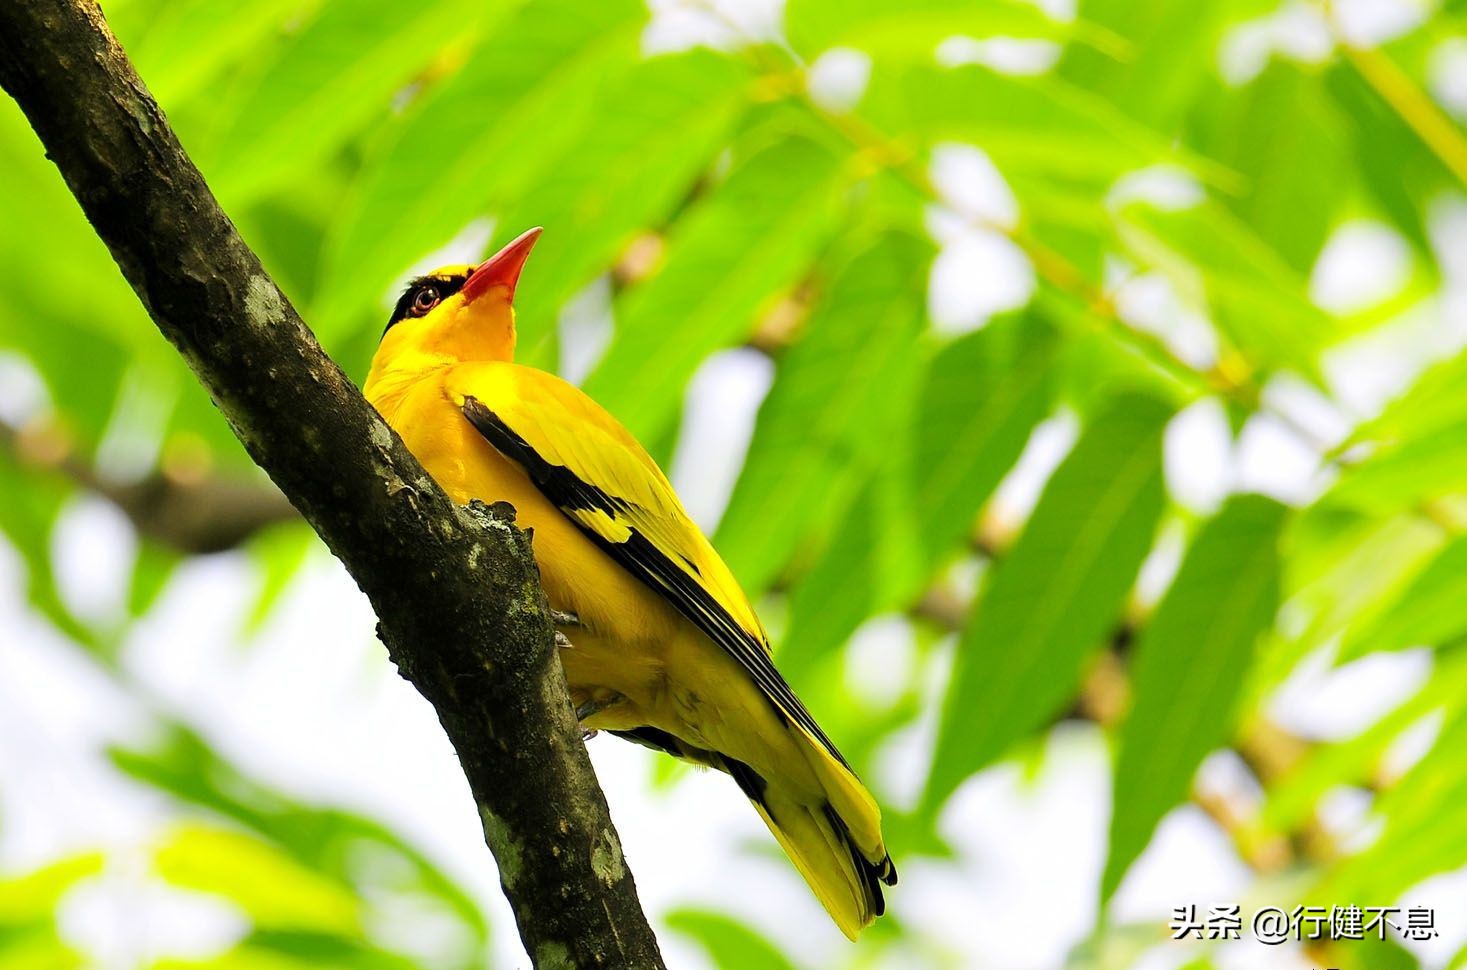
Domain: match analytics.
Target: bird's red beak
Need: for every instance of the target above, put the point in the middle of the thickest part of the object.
(503, 268)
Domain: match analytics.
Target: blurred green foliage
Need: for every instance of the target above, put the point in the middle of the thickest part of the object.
(725, 195)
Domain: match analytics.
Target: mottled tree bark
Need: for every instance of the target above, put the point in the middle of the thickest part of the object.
(455, 589)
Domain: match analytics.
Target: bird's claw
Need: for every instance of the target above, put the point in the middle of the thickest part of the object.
(591, 708)
(584, 711)
(562, 641)
(562, 618)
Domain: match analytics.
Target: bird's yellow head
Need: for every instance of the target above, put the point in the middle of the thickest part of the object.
(456, 313)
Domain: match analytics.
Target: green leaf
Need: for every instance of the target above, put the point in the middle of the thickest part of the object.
(870, 563)
(274, 889)
(40, 948)
(361, 856)
(729, 944)
(34, 896)
(824, 426)
(1401, 173)
(1293, 797)
(1052, 598)
(1216, 261)
(1430, 407)
(1401, 475)
(912, 28)
(982, 398)
(524, 93)
(279, 553)
(154, 566)
(334, 77)
(274, 949)
(1284, 135)
(1430, 611)
(748, 240)
(656, 130)
(1374, 953)
(1170, 48)
(1424, 832)
(30, 504)
(1039, 127)
(1189, 669)
(55, 305)
(188, 43)
(29, 903)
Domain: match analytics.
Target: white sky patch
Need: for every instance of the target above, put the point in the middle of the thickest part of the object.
(879, 660)
(680, 24)
(1189, 860)
(1047, 447)
(1448, 230)
(972, 186)
(1022, 56)
(130, 918)
(978, 275)
(1030, 851)
(1310, 410)
(1161, 563)
(1446, 893)
(1322, 701)
(134, 435)
(838, 78)
(586, 328)
(719, 411)
(23, 394)
(1150, 302)
(1061, 10)
(1369, 23)
(1272, 459)
(1345, 813)
(1446, 74)
(902, 760)
(1225, 774)
(1197, 455)
(1169, 188)
(1296, 31)
(1365, 373)
(57, 711)
(93, 549)
(1363, 263)
(1411, 745)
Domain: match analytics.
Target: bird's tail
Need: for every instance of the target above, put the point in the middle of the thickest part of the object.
(833, 837)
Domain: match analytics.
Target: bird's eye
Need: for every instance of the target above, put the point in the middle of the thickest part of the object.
(424, 300)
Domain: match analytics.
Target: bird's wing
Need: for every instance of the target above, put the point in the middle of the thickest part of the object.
(603, 480)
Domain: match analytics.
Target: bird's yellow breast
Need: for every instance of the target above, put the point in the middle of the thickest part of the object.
(626, 632)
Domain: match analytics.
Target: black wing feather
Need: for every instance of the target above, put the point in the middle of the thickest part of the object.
(641, 557)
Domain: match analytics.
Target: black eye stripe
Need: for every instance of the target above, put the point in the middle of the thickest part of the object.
(445, 285)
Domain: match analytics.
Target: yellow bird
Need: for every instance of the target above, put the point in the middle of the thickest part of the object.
(664, 647)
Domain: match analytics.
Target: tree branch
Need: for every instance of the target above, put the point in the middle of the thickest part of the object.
(192, 514)
(455, 589)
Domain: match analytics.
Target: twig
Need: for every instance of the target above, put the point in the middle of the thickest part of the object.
(189, 514)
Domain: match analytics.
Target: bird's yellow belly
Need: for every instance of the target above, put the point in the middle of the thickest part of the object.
(620, 653)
